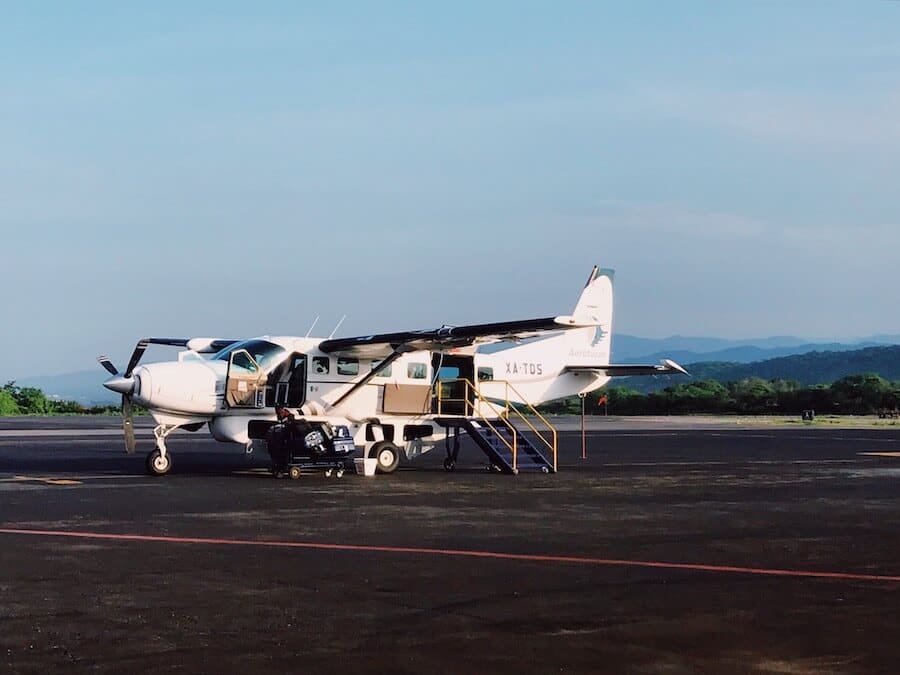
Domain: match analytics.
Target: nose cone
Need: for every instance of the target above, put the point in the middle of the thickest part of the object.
(120, 384)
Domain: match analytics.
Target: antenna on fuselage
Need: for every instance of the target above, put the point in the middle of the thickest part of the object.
(338, 326)
(315, 321)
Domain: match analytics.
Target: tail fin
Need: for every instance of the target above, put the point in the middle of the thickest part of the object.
(591, 345)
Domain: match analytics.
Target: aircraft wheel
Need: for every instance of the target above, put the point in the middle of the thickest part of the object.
(157, 465)
(388, 456)
(449, 464)
(294, 472)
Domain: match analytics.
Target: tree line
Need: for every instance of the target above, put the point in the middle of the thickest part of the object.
(854, 395)
(15, 400)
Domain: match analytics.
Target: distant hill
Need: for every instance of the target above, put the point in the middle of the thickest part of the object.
(85, 386)
(817, 367)
(748, 353)
(626, 348)
(885, 339)
(686, 349)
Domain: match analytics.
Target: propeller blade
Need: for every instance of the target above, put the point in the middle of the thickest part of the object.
(139, 350)
(128, 425)
(108, 364)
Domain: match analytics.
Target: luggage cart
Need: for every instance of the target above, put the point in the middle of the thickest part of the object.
(297, 446)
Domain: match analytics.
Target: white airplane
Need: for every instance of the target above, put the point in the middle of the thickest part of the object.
(397, 393)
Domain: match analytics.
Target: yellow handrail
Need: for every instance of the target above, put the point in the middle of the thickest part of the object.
(513, 447)
(469, 407)
(552, 446)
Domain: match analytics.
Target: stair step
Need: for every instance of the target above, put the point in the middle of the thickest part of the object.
(495, 440)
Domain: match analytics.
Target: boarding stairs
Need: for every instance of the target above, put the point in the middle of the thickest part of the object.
(514, 437)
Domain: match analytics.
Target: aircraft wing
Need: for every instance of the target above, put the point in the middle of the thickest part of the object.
(664, 367)
(448, 337)
(202, 345)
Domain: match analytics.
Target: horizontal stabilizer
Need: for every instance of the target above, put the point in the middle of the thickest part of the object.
(664, 367)
(577, 321)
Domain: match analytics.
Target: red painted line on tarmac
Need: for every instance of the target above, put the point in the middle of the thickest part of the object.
(495, 555)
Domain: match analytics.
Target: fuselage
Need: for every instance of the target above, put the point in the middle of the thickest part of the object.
(247, 381)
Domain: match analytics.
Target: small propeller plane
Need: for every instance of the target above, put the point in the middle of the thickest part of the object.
(398, 393)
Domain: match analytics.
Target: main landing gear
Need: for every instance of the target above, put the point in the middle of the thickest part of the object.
(387, 455)
(451, 444)
(159, 461)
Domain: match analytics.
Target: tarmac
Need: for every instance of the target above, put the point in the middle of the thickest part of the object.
(669, 549)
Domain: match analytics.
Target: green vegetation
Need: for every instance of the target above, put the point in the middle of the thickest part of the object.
(15, 400)
(853, 394)
(8, 405)
(804, 369)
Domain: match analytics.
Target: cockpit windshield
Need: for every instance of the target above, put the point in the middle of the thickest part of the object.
(266, 354)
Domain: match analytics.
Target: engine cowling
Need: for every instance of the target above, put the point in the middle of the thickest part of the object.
(185, 386)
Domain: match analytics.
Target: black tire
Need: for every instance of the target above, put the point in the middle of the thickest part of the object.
(388, 456)
(155, 465)
(294, 472)
(449, 464)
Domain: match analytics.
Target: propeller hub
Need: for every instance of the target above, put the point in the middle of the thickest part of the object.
(120, 384)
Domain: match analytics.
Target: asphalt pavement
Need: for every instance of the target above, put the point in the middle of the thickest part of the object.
(667, 550)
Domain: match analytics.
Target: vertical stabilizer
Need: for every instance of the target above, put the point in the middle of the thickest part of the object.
(592, 345)
(543, 369)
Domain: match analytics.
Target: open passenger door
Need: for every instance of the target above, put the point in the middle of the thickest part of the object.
(245, 384)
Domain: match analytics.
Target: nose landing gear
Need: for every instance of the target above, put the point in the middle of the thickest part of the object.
(159, 461)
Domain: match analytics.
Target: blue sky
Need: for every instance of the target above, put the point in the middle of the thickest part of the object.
(232, 169)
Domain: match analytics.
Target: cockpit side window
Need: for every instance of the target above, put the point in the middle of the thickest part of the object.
(243, 361)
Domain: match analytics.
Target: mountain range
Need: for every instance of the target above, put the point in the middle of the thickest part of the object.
(631, 349)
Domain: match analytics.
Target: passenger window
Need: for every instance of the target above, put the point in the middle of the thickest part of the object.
(384, 372)
(321, 365)
(416, 371)
(485, 374)
(347, 366)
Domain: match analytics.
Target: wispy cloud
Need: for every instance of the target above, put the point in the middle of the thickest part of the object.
(696, 232)
(869, 120)
(675, 218)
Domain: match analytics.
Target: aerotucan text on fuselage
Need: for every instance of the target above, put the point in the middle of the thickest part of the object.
(399, 394)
